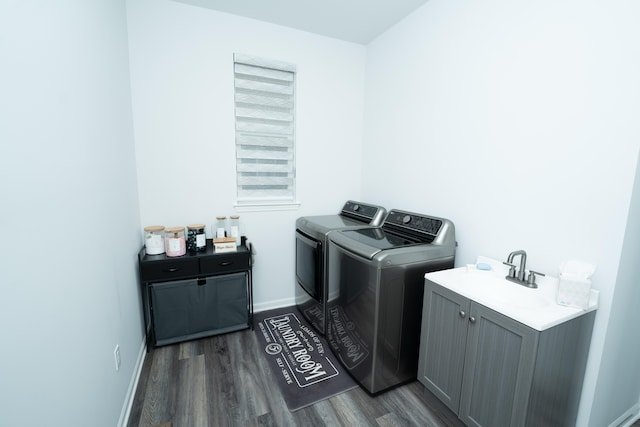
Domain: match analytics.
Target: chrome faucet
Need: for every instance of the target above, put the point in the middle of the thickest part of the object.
(519, 277)
(523, 264)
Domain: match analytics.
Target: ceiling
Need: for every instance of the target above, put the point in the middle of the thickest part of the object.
(358, 21)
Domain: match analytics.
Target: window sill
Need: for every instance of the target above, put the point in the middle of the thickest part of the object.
(265, 207)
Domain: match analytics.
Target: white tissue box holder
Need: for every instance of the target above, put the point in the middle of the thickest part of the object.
(574, 292)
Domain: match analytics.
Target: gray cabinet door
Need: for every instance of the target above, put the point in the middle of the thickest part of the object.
(498, 370)
(443, 341)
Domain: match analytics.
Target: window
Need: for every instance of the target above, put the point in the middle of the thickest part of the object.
(265, 130)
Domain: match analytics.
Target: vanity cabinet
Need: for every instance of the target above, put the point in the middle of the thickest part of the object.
(491, 370)
(196, 295)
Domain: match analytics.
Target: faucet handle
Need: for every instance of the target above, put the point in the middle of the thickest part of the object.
(531, 280)
(512, 269)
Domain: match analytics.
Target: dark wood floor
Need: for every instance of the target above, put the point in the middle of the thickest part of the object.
(225, 381)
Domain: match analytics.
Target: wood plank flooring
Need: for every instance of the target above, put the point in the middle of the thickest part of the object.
(225, 381)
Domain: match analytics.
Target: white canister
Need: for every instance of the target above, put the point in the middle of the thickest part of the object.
(154, 239)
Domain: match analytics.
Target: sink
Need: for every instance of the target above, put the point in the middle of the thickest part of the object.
(493, 286)
(534, 307)
(522, 297)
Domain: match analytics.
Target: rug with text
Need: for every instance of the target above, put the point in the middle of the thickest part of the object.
(306, 370)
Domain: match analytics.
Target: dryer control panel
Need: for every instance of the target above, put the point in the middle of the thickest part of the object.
(368, 214)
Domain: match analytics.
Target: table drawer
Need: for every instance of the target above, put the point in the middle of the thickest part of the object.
(224, 263)
(169, 269)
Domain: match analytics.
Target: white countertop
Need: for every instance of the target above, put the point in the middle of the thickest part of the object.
(536, 308)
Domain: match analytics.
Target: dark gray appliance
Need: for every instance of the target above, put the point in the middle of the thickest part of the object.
(311, 244)
(376, 284)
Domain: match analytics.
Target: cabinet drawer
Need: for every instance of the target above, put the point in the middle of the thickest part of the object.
(224, 263)
(169, 269)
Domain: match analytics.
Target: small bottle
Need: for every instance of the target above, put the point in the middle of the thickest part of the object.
(175, 244)
(234, 227)
(221, 226)
(154, 239)
(196, 239)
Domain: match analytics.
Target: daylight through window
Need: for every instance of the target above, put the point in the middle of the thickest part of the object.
(265, 130)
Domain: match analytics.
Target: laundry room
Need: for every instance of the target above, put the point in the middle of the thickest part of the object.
(515, 121)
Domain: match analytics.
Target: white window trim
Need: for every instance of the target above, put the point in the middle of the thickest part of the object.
(266, 207)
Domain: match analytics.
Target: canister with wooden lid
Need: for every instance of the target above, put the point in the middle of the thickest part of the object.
(196, 239)
(175, 243)
(154, 239)
(221, 227)
(234, 227)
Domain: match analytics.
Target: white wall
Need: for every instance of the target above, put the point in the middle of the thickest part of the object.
(518, 121)
(69, 214)
(619, 374)
(182, 86)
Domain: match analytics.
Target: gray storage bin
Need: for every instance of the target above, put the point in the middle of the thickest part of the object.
(189, 309)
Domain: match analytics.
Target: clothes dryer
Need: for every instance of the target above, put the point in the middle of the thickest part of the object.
(311, 243)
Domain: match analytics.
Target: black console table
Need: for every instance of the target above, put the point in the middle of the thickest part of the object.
(196, 295)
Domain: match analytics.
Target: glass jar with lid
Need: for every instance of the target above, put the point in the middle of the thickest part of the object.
(196, 239)
(154, 239)
(221, 226)
(234, 227)
(175, 243)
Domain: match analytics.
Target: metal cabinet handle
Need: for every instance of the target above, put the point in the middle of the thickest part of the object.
(170, 270)
(462, 314)
(225, 264)
(472, 319)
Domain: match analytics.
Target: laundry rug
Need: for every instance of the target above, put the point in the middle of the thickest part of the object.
(306, 370)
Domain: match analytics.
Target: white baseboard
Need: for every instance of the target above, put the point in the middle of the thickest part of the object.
(270, 305)
(628, 418)
(133, 386)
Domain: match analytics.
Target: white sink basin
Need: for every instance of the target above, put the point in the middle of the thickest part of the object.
(521, 297)
(535, 307)
(495, 286)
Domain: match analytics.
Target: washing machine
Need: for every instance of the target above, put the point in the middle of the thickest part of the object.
(311, 262)
(376, 285)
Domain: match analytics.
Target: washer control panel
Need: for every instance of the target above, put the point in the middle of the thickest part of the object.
(414, 222)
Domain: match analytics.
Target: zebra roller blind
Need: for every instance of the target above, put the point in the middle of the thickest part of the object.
(265, 130)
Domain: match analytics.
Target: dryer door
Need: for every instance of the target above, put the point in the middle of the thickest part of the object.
(309, 272)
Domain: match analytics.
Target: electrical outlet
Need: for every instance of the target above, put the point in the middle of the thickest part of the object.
(116, 356)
